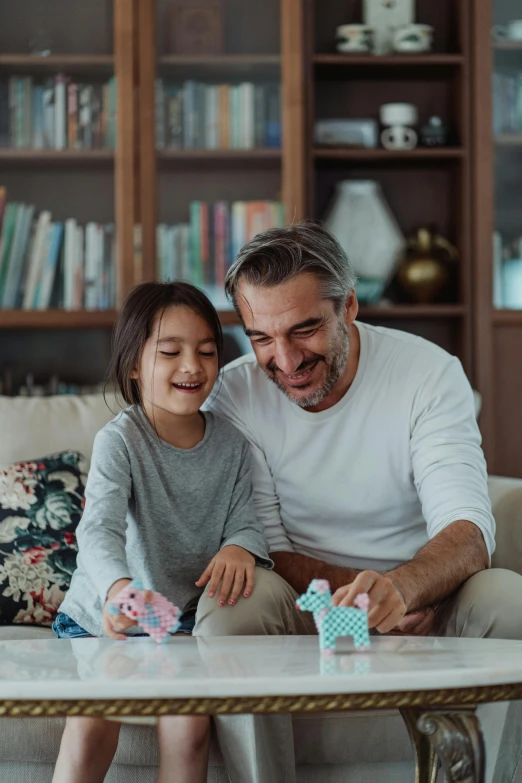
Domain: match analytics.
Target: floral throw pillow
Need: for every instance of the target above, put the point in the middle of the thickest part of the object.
(41, 504)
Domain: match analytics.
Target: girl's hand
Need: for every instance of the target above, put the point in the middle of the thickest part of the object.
(114, 623)
(234, 567)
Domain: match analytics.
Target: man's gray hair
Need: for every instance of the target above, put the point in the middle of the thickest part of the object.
(278, 255)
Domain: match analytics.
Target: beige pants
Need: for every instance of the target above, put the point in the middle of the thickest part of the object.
(259, 749)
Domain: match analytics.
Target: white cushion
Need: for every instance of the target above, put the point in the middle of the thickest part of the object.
(32, 427)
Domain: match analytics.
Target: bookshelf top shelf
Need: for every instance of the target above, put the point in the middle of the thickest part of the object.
(57, 62)
(371, 60)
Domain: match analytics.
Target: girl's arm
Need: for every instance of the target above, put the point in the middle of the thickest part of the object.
(102, 530)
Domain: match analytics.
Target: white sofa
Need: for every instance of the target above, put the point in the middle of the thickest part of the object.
(369, 747)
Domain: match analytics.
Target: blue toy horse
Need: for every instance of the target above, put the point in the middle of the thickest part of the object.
(334, 621)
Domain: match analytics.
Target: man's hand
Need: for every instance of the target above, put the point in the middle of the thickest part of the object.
(387, 607)
(234, 567)
(417, 623)
(115, 624)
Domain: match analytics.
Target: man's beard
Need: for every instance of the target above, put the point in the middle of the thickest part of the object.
(335, 362)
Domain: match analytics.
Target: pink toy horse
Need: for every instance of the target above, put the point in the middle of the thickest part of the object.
(154, 613)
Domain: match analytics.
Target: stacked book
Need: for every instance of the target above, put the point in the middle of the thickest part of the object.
(507, 103)
(57, 114)
(193, 115)
(46, 263)
(202, 250)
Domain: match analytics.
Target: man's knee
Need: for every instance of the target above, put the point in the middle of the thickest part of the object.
(269, 610)
(488, 605)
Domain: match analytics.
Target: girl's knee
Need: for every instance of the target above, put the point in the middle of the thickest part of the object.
(87, 733)
(186, 737)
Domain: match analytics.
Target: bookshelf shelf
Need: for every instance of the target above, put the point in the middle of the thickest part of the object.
(57, 319)
(507, 318)
(10, 156)
(509, 140)
(58, 62)
(508, 46)
(379, 154)
(395, 60)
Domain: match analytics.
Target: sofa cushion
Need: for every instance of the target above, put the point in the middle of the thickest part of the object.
(40, 507)
(44, 425)
(508, 515)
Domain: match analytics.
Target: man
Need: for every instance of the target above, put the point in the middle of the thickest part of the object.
(368, 466)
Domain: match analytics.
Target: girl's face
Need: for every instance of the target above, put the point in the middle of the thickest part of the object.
(178, 366)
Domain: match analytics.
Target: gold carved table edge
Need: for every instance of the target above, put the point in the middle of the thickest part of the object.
(441, 723)
(465, 698)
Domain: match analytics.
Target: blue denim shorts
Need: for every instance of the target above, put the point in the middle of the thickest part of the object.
(65, 627)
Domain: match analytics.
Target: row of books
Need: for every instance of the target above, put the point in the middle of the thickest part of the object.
(194, 115)
(202, 250)
(46, 263)
(507, 103)
(57, 114)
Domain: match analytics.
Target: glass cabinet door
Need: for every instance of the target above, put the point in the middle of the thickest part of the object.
(507, 132)
(217, 134)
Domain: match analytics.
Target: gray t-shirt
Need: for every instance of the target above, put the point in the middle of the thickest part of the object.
(158, 513)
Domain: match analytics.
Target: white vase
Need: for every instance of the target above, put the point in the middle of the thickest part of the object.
(363, 224)
(384, 16)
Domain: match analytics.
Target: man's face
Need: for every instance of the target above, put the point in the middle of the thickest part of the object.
(299, 340)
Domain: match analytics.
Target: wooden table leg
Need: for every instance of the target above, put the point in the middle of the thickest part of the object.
(451, 735)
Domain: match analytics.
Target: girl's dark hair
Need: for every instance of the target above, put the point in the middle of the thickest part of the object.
(134, 327)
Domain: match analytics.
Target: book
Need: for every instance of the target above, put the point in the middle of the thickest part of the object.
(72, 117)
(6, 239)
(91, 267)
(4, 115)
(36, 260)
(69, 265)
(45, 288)
(14, 260)
(60, 112)
(38, 138)
(48, 114)
(77, 301)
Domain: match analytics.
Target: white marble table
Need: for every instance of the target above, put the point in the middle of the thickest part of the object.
(436, 683)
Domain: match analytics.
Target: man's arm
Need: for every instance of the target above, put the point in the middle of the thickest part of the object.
(299, 570)
(441, 566)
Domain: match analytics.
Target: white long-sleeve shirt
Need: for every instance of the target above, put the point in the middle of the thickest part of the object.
(366, 483)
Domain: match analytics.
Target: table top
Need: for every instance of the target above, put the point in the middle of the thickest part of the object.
(242, 666)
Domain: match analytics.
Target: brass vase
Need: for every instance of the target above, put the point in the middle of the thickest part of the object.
(425, 269)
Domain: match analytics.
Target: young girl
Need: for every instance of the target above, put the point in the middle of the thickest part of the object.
(168, 501)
